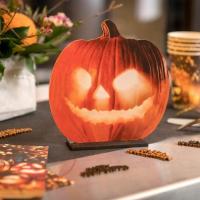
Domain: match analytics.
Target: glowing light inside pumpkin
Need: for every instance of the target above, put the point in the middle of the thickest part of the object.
(131, 88)
(82, 82)
(101, 98)
(131, 72)
(110, 117)
(133, 91)
(127, 80)
(83, 78)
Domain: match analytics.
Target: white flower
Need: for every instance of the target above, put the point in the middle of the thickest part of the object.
(59, 20)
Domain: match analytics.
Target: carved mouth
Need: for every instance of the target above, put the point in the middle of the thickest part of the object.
(111, 116)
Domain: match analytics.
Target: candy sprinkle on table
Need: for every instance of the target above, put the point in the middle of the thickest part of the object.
(149, 153)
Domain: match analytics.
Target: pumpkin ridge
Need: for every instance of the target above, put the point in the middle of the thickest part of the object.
(93, 59)
(116, 64)
(101, 64)
(159, 71)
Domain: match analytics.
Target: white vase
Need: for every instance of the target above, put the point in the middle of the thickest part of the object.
(17, 89)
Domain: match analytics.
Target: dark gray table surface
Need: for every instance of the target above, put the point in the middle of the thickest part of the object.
(45, 132)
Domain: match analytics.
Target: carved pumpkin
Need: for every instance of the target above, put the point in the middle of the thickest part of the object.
(109, 88)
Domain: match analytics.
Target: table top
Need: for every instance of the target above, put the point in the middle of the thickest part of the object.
(146, 177)
(45, 132)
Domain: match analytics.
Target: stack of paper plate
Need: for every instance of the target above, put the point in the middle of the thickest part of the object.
(184, 43)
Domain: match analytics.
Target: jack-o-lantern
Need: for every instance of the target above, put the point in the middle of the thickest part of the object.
(109, 88)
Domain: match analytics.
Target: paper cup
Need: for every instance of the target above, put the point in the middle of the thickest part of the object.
(184, 55)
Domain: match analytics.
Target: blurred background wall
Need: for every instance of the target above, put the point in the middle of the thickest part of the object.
(143, 19)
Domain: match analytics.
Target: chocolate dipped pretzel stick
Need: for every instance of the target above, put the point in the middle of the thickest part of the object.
(14, 131)
(150, 153)
(103, 169)
(191, 143)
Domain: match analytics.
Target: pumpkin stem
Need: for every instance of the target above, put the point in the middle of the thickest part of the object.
(109, 29)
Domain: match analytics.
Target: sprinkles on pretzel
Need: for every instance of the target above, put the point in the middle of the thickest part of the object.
(191, 143)
(14, 131)
(150, 153)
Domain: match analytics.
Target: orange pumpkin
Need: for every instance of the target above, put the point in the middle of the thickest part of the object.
(109, 88)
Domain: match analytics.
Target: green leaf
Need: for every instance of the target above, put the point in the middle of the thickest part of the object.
(41, 58)
(13, 5)
(2, 68)
(59, 39)
(28, 10)
(30, 63)
(35, 14)
(40, 48)
(40, 16)
(44, 11)
(18, 33)
(57, 31)
(17, 48)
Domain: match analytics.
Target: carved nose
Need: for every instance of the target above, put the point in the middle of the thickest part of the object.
(101, 98)
(100, 93)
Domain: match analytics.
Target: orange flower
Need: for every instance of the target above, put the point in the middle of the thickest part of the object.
(15, 20)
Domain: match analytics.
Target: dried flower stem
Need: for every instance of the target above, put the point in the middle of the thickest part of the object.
(194, 122)
(113, 5)
(190, 108)
(57, 5)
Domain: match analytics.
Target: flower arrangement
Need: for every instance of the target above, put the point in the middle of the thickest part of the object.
(33, 35)
(29, 34)
(29, 37)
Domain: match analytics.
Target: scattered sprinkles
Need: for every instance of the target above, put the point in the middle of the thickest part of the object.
(150, 153)
(103, 169)
(14, 131)
(191, 143)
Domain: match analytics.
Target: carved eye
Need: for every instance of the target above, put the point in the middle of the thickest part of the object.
(126, 81)
(82, 79)
(131, 88)
(81, 84)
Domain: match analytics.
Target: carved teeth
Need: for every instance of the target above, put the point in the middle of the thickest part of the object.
(113, 116)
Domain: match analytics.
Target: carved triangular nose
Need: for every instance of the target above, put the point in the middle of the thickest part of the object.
(100, 93)
(101, 98)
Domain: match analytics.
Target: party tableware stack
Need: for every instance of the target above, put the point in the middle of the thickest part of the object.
(184, 56)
